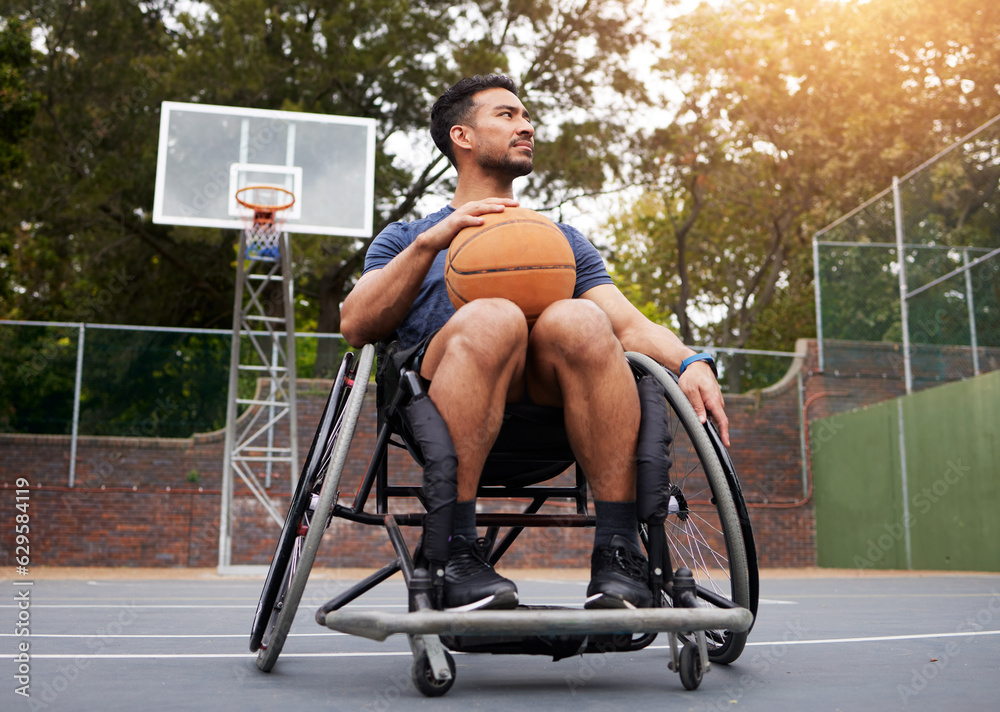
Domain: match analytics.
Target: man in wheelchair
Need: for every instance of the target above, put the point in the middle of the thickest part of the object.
(482, 365)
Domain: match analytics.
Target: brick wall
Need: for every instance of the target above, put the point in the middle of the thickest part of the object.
(155, 502)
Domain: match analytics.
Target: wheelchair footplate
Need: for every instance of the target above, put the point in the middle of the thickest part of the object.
(559, 632)
(379, 625)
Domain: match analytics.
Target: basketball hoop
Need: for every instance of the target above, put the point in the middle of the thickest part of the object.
(262, 229)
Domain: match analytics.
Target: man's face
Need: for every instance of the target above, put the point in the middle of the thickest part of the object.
(504, 134)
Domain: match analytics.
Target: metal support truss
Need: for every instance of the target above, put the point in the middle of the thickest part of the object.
(263, 347)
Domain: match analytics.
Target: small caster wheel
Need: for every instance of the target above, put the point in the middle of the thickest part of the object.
(424, 680)
(690, 666)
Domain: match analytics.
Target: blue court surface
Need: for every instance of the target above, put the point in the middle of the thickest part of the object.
(177, 640)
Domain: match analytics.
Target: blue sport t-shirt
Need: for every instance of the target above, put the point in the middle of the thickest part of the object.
(432, 307)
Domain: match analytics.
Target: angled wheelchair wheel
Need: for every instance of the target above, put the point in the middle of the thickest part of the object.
(310, 511)
(707, 527)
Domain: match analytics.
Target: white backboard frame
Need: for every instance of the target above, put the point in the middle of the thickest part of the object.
(209, 201)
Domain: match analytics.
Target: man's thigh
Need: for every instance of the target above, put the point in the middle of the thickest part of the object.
(491, 330)
(565, 331)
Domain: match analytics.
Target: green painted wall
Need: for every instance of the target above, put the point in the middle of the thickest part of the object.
(949, 518)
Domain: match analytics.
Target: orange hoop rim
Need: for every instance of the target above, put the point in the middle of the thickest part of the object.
(265, 207)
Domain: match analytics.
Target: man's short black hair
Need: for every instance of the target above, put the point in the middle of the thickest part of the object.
(453, 107)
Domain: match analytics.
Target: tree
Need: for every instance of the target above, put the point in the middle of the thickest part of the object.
(82, 246)
(18, 106)
(791, 113)
(389, 59)
(86, 249)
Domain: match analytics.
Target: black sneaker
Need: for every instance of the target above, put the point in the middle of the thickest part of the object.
(618, 577)
(471, 583)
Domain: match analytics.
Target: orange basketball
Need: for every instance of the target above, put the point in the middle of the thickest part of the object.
(519, 255)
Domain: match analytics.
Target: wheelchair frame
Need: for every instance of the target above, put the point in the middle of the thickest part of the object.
(707, 614)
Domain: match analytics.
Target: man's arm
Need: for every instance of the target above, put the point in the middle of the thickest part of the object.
(382, 297)
(637, 333)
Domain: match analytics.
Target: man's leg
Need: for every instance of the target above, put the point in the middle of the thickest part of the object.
(576, 361)
(475, 364)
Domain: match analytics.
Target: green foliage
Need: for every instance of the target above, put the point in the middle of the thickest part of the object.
(153, 384)
(76, 234)
(37, 372)
(790, 114)
(18, 104)
(785, 115)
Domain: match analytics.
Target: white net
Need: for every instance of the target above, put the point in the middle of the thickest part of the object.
(262, 240)
(263, 224)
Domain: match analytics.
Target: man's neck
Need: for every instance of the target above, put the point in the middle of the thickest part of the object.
(480, 187)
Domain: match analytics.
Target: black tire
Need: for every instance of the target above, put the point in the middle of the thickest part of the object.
(424, 680)
(706, 533)
(283, 559)
(690, 666)
(310, 510)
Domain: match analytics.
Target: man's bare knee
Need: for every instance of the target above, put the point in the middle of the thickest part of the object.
(485, 332)
(576, 331)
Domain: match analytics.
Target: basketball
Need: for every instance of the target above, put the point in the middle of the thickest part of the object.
(519, 255)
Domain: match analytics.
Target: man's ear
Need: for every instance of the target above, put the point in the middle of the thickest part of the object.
(461, 136)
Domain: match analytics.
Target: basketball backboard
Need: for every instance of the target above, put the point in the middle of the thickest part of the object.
(207, 153)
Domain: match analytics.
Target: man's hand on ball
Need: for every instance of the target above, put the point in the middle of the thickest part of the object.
(439, 237)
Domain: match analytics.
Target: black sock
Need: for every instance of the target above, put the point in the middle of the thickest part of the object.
(464, 523)
(616, 518)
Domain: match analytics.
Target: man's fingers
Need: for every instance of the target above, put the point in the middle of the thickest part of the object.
(716, 405)
(722, 422)
(706, 398)
(698, 404)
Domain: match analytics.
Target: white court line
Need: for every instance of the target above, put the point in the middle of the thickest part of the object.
(872, 639)
(880, 638)
(184, 606)
(200, 656)
(138, 636)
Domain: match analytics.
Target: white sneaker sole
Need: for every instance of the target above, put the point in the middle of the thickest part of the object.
(600, 600)
(482, 603)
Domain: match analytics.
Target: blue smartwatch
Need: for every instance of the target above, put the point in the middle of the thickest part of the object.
(699, 357)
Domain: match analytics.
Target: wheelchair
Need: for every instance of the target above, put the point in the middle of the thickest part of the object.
(693, 522)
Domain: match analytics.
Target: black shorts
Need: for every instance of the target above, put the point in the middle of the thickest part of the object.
(532, 445)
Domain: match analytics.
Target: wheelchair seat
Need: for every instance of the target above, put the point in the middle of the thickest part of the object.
(532, 446)
(691, 513)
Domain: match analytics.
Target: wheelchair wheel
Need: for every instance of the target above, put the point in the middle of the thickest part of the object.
(289, 541)
(310, 511)
(705, 530)
(690, 666)
(423, 676)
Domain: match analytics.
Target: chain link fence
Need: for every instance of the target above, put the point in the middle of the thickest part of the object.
(910, 281)
(113, 380)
